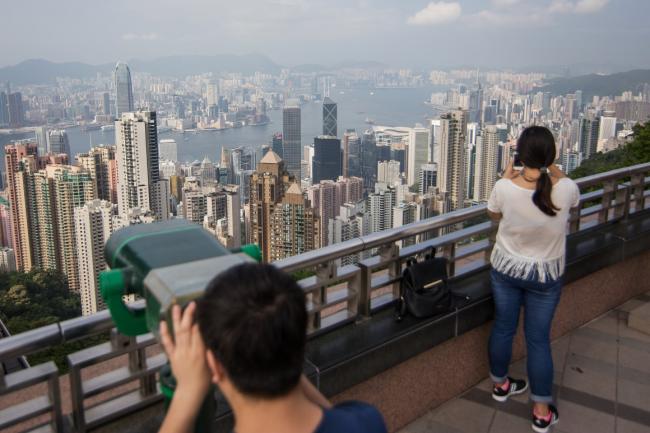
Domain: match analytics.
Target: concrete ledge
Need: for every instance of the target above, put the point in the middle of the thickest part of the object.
(639, 318)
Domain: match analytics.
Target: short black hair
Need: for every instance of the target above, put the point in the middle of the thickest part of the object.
(254, 319)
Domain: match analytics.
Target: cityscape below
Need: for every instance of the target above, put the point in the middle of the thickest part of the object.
(291, 162)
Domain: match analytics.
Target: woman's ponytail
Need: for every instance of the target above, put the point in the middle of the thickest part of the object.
(542, 195)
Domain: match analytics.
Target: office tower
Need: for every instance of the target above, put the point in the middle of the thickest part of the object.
(589, 130)
(212, 94)
(58, 142)
(17, 197)
(388, 172)
(15, 109)
(123, 90)
(351, 154)
(308, 161)
(329, 117)
(294, 226)
(41, 139)
(418, 153)
(100, 162)
(106, 104)
(607, 128)
(434, 137)
(379, 209)
(7, 260)
(326, 200)
(276, 143)
(291, 146)
(168, 149)
(232, 238)
(451, 168)
(350, 224)
(4, 109)
(268, 183)
(405, 213)
(94, 223)
(428, 177)
(327, 158)
(369, 159)
(486, 172)
(571, 107)
(139, 184)
(570, 160)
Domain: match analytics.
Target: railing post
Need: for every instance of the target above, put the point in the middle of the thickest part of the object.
(362, 285)
(77, 397)
(637, 184)
(449, 251)
(574, 219)
(390, 253)
(622, 208)
(609, 188)
(55, 397)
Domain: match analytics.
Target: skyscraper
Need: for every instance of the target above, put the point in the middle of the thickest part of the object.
(487, 164)
(329, 117)
(16, 185)
(58, 142)
(327, 158)
(94, 223)
(276, 143)
(388, 172)
(351, 154)
(15, 109)
(451, 169)
(4, 109)
(41, 138)
(7, 260)
(291, 147)
(369, 159)
(123, 89)
(588, 141)
(428, 177)
(418, 153)
(106, 103)
(100, 162)
(139, 184)
(168, 149)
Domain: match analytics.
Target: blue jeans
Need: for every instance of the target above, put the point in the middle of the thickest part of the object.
(539, 301)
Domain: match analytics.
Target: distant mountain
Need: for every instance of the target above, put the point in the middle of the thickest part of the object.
(602, 85)
(39, 71)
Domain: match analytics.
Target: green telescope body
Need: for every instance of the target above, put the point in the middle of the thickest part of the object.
(165, 263)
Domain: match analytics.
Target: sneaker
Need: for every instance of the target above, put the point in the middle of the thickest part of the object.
(516, 387)
(541, 425)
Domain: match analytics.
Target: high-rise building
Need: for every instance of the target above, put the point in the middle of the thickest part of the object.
(379, 209)
(15, 109)
(294, 225)
(276, 143)
(5, 222)
(139, 183)
(369, 159)
(58, 142)
(486, 172)
(291, 147)
(168, 149)
(106, 104)
(327, 158)
(351, 223)
(329, 117)
(19, 201)
(405, 213)
(268, 184)
(351, 154)
(607, 129)
(588, 141)
(123, 90)
(42, 139)
(418, 153)
(100, 162)
(94, 223)
(388, 172)
(7, 260)
(428, 177)
(451, 168)
(4, 109)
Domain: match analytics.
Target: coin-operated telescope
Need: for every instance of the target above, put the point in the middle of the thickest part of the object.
(164, 263)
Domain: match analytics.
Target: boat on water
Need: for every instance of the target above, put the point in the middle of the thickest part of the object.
(91, 127)
(108, 128)
(369, 121)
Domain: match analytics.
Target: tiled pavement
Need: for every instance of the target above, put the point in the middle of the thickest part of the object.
(602, 385)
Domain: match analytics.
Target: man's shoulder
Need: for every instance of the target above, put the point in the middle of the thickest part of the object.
(353, 417)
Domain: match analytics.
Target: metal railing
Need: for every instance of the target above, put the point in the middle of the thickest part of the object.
(338, 295)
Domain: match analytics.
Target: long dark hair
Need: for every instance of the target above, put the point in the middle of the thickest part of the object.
(536, 148)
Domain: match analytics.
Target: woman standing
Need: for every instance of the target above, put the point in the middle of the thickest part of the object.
(532, 206)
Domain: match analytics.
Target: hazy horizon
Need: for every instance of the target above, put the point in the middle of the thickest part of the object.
(511, 34)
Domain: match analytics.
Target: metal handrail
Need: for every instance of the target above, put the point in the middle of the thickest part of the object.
(37, 339)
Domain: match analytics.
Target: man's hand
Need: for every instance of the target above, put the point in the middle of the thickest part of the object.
(510, 172)
(187, 356)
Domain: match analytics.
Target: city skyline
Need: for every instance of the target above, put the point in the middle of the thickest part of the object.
(555, 32)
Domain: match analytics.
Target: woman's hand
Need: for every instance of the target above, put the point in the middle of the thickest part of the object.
(187, 356)
(510, 172)
(555, 171)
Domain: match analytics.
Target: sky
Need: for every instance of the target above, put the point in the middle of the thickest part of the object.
(604, 34)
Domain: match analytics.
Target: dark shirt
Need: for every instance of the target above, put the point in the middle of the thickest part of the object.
(351, 417)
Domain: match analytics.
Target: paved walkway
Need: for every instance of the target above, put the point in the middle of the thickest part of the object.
(602, 385)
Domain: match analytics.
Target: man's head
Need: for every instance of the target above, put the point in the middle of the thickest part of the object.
(253, 320)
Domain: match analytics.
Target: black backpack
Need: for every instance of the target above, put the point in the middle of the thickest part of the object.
(423, 290)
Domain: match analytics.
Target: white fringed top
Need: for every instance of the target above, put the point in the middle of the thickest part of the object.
(528, 240)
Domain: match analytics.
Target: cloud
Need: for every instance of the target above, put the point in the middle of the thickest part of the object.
(436, 13)
(504, 3)
(578, 7)
(140, 36)
(518, 19)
